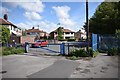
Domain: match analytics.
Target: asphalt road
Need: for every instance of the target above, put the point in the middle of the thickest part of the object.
(60, 69)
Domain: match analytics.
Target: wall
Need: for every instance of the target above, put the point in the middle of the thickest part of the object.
(24, 39)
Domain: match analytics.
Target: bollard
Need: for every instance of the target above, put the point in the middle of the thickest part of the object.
(62, 48)
(26, 47)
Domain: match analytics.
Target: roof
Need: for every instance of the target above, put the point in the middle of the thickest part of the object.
(64, 30)
(67, 30)
(33, 30)
(5, 22)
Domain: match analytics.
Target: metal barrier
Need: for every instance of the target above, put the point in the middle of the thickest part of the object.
(63, 48)
(51, 48)
(70, 46)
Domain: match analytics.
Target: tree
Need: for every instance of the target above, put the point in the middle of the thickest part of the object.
(5, 35)
(106, 19)
(23, 33)
(60, 33)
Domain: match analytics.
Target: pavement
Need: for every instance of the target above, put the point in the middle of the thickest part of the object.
(41, 66)
(102, 66)
(20, 66)
(60, 69)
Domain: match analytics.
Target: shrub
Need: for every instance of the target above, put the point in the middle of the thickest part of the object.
(79, 53)
(62, 39)
(6, 53)
(95, 53)
(71, 40)
(10, 50)
(73, 58)
(91, 52)
(112, 52)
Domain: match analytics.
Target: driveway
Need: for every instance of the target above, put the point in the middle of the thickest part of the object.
(41, 66)
(20, 66)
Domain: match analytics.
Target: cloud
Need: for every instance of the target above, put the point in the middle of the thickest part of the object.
(32, 6)
(62, 11)
(47, 26)
(23, 25)
(32, 16)
(3, 10)
(63, 14)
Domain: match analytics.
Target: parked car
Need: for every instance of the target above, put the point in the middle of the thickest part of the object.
(40, 43)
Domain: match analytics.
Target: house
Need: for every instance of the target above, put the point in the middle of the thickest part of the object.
(67, 34)
(36, 32)
(80, 35)
(14, 30)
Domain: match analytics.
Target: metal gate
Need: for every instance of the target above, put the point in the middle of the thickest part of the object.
(49, 49)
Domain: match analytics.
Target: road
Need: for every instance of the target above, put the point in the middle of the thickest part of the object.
(34, 66)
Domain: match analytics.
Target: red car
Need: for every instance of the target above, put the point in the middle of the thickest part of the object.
(40, 43)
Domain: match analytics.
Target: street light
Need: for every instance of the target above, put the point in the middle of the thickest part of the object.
(87, 25)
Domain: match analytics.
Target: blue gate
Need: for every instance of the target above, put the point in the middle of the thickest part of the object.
(94, 41)
(53, 48)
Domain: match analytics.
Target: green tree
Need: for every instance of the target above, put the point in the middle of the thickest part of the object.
(60, 33)
(106, 19)
(23, 33)
(5, 35)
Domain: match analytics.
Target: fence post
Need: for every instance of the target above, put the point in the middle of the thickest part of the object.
(62, 48)
(68, 49)
(26, 47)
(94, 42)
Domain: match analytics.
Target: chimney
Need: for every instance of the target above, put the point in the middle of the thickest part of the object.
(5, 16)
(33, 28)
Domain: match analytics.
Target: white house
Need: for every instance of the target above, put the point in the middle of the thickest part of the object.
(67, 34)
(13, 28)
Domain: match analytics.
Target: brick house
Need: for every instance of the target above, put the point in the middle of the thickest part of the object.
(33, 32)
(80, 35)
(67, 34)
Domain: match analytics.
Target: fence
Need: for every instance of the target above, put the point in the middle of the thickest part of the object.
(107, 42)
(70, 46)
(104, 42)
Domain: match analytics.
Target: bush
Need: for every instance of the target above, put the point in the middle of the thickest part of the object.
(73, 58)
(10, 50)
(83, 53)
(79, 53)
(62, 39)
(95, 53)
(6, 53)
(112, 52)
(71, 40)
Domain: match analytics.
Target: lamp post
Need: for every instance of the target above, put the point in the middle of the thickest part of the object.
(87, 24)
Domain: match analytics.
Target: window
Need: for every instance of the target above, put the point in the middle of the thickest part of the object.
(67, 33)
(11, 27)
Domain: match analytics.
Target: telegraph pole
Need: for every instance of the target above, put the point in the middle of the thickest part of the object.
(87, 25)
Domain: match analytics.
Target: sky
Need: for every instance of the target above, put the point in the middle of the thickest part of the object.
(47, 15)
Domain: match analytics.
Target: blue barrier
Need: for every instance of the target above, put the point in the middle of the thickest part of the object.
(94, 42)
(62, 48)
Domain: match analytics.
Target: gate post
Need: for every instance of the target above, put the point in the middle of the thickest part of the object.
(94, 42)
(26, 47)
(62, 48)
